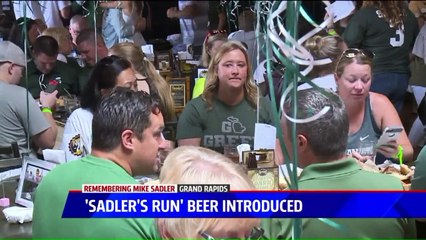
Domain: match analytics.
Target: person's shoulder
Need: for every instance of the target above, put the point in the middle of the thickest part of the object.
(388, 182)
(13, 88)
(61, 170)
(16, 92)
(379, 100)
(264, 101)
(65, 67)
(80, 114)
(31, 68)
(196, 102)
(149, 226)
(365, 13)
(73, 62)
(60, 64)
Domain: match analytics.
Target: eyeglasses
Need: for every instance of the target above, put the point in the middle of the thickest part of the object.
(352, 52)
(212, 33)
(256, 233)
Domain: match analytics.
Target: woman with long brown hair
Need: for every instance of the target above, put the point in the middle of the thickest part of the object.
(388, 29)
(143, 66)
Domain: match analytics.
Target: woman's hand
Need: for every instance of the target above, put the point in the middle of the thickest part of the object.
(359, 157)
(389, 149)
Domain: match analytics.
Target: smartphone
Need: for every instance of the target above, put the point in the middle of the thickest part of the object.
(53, 85)
(51, 88)
(390, 134)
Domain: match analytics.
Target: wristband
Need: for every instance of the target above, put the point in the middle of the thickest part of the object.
(46, 110)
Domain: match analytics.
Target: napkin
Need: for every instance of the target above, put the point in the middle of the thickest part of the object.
(54, 155)
(18, 214)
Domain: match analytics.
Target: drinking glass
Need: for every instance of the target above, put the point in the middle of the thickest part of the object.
(368, 149)
(231, 152)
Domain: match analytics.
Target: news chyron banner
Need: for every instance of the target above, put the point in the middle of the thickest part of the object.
(217, 201)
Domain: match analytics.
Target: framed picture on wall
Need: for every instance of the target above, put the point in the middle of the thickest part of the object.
(33, 171)
(164, 60)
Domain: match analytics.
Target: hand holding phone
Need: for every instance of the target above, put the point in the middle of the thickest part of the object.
(390, 134)
(53, 85)
(50, 88)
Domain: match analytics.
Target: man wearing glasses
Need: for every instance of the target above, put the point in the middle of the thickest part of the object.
(20, 115)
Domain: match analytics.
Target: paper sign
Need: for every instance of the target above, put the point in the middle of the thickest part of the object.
(264, 136)
(148, 49)
(340, 9)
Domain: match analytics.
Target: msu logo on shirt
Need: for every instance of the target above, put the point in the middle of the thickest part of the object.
(231, 133)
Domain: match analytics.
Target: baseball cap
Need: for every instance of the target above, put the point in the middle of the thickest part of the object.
(11, 53)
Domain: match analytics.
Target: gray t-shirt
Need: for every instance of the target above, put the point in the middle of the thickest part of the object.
(14, 125)
(369, 130)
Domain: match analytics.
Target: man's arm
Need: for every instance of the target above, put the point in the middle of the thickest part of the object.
(65, 9)
(189, 11)
(47, 138)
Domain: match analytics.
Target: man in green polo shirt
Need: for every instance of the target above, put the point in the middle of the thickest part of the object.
(124, 145)
(45, 69)
(321, 146)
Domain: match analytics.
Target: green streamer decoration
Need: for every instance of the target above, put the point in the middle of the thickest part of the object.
(278, 22)
(26, 44)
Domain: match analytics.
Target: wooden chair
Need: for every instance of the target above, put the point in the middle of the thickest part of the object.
(15, 159)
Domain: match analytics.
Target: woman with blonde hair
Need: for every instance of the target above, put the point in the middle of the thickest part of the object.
(197, 165)
(369, 113)
(321, 48)
(227, 111)
(155, 82)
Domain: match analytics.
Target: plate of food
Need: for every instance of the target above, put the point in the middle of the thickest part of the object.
(403, 172)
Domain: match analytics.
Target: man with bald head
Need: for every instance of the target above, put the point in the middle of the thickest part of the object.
(21, 116)
(78, 23)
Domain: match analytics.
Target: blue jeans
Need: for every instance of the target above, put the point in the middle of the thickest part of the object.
(392, 85)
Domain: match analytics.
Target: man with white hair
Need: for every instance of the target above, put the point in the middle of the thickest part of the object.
(77, 24)
(21, 116)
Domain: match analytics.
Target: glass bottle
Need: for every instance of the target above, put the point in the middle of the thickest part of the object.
(252, 162)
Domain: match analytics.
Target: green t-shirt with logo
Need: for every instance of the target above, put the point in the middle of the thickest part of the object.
(368, 29)
(223, 124)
